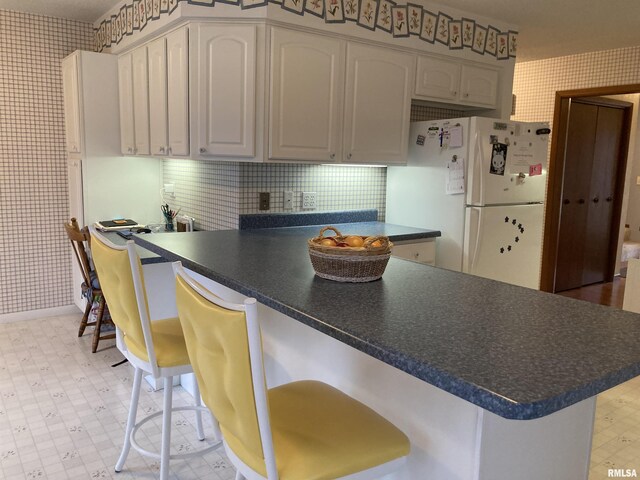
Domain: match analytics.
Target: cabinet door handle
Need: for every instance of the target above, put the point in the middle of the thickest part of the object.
(332, 156)
(609, 199)
(161, 149)
(596, 199)
(566, 201)
(581, 201)
(169, 150)
(348, 156)
(455, 92)
(129, 150)
(465, 95)
(203, 150)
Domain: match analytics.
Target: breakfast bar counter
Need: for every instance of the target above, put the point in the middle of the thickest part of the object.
(483, 376)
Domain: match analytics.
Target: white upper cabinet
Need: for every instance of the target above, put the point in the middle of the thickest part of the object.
(125, 85)
(456, 82)
(178, 91)
(90, 95)
(158, 130)
(224, 98)
(307, 88)
(377, 104)
(154, 99)
(479, 86)
(140, 101)
(71, 97)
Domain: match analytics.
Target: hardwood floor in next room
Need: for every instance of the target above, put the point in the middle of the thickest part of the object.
(610, 293)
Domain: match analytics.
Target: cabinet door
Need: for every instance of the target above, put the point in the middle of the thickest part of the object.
(140, 101)
(157, 53)
(437, 78)
(125, 86)
(479, 86)
(307, 75)
(71, 97)
(178, 91)
(225, 100)
(377, 105)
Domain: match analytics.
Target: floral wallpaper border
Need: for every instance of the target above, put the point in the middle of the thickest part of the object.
(385, 15)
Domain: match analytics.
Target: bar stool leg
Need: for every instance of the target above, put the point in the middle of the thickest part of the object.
(198, 403)
(131, 420)
(166, 428)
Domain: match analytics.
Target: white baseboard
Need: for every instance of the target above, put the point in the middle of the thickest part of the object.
(42, 313)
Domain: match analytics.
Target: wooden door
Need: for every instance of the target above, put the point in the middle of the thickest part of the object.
(591, 194)
(600, 218)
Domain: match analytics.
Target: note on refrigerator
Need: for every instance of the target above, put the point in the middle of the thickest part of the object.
(455, 136)
(455, 176)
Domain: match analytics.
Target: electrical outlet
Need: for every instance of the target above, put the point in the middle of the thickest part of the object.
(265, 201)
(309, 200)
(169, 189)
(288, 200)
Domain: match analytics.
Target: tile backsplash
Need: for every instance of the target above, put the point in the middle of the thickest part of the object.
(216, 193)
(35, 254)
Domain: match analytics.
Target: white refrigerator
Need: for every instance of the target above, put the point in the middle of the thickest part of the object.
(481, 182)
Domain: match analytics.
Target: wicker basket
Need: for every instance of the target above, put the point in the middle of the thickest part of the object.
(349, 264)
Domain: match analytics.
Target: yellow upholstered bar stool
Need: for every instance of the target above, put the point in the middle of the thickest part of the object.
(303, 430)
(157, 348)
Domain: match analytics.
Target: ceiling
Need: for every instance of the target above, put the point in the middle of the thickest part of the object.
(547, 28)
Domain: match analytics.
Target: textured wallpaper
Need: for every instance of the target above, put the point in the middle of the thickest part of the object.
(35, 255)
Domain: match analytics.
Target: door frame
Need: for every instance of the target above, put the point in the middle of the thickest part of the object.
(555, 173)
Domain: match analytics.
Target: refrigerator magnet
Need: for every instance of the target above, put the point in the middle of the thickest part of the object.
(498, 159)
(535, 170)
(420, 140)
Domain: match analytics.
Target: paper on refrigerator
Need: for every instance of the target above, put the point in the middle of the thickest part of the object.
(455, 176)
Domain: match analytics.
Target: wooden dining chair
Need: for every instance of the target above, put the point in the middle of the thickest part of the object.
(299, 430)
(80, 240)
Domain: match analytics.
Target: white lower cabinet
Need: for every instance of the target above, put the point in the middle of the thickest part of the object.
(423, 251)
(224, 89)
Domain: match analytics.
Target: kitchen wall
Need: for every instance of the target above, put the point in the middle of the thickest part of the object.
(535, 84)
(216, 193)
(35, 255)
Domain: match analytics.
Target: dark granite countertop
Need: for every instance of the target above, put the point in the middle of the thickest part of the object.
(516, 352)
(146, 257)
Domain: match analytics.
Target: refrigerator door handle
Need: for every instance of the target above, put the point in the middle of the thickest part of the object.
(474, 236)
(477, 195)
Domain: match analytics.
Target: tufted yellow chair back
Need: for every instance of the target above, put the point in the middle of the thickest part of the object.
(218, 347)
(114, 270)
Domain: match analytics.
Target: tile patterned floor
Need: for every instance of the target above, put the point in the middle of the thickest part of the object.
(63, 411)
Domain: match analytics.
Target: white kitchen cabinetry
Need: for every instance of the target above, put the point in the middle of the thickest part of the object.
(454, 82)
(334, 100)
(140, 100)
(307, 88)
(71, 96)
(125, 85)
(223, 91)
(377, 104)
(169, 94)
(423, 251)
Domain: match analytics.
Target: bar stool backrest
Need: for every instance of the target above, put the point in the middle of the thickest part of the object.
(122, 282)
(224, 346)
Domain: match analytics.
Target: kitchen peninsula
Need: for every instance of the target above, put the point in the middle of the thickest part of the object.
(490, 381)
